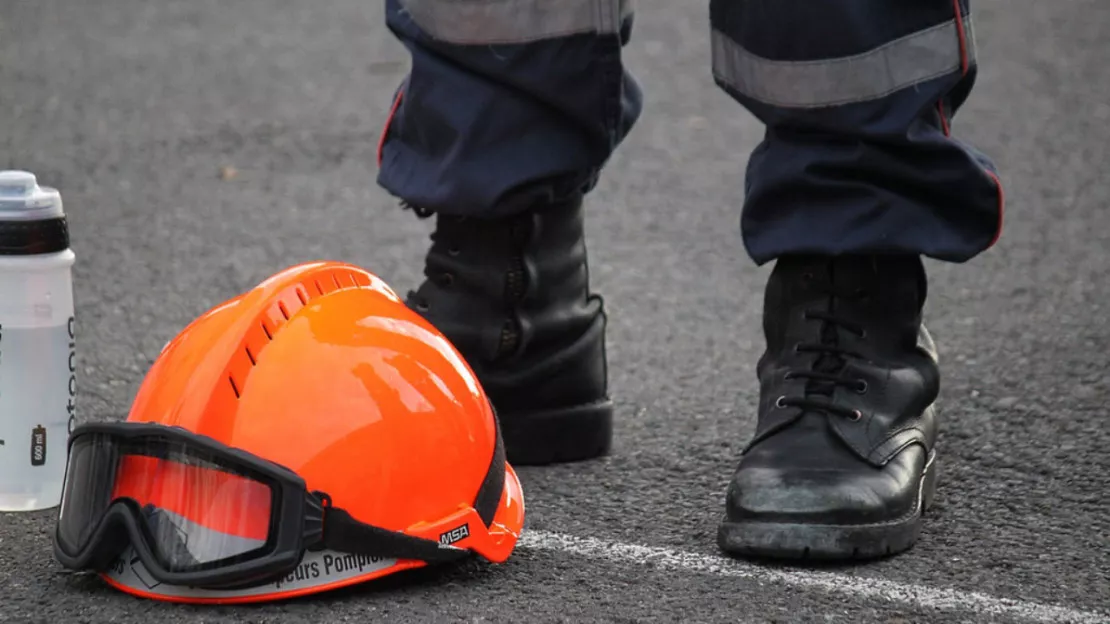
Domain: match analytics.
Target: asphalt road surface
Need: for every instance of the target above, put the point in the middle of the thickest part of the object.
(133, 109)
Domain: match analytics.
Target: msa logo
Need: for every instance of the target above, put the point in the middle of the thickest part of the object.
(454, 535)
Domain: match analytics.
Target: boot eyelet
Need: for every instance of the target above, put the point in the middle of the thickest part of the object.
(422, 306)
(861, 386)
(856, 416)
(453, 251)
(781, 402)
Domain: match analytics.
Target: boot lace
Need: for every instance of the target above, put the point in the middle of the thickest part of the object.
(827, 371)
(444, 279)
(447, 238)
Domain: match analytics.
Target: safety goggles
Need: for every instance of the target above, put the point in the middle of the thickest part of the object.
(201, 514)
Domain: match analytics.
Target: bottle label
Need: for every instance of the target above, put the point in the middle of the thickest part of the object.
(38, 392)
(38, 446)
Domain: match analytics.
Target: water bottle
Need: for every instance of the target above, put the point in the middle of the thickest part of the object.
(38, 366)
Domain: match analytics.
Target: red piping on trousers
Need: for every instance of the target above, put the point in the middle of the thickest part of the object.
(964, 61)
(965, 65)
(388, 122)
(943, 120)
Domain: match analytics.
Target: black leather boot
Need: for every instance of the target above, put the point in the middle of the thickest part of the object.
(513, 296)
(842, 464)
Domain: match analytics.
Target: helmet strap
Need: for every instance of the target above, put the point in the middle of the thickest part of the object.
(343, 533)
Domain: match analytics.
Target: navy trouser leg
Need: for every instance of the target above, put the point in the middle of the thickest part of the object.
(857, 96)
(510, 100)
(507, 101)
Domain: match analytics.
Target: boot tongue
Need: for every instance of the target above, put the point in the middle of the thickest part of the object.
(826, 363)
(844, 278)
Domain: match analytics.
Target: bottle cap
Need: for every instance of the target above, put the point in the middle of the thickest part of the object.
(22, 199)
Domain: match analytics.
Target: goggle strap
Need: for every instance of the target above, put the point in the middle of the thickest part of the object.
(342, 533)
(493, 486)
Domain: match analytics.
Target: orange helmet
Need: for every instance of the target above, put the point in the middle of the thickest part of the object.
(309, 434)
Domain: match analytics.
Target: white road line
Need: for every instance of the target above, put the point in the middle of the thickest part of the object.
(868, 588)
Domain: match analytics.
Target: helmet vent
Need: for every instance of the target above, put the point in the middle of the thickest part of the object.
(270, 323)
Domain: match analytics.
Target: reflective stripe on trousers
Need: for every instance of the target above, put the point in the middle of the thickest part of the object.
(509, 102)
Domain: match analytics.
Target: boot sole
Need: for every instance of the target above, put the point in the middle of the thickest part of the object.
(799, 541)
(558, 436)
